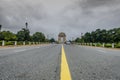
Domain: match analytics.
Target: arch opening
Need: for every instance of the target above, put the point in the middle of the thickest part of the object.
(62, 37)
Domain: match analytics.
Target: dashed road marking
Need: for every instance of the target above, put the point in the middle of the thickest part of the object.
(20, 50)
(65, 72)
(101, 51)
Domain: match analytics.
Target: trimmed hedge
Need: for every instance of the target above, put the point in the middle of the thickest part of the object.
(108, 45)
(99, 45)
(93, 44)
(0, 43)
(26, 42)
(117, 45)
(20, 43)
(10, 43)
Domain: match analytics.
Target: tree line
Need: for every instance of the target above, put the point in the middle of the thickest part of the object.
(23, 35)
(100, 36)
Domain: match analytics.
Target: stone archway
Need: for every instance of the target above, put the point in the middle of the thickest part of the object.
(62, 37)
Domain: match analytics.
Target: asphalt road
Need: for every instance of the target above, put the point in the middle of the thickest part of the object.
(30, 63)
(43, 63)
(87, 63)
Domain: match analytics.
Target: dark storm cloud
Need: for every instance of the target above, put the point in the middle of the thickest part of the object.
(88, 15)
(14, 13)
(97, 3)
(53, 16)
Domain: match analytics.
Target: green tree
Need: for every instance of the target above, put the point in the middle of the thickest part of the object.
(103, 36)
(78, 40)
(116, 35)
(8, 36)
(93, 36)
(38, 37)
(87, 37)
(23, 35)
(1, 36)
(98, 36)
(52, 40)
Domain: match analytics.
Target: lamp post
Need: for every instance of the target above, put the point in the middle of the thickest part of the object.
(26, 24)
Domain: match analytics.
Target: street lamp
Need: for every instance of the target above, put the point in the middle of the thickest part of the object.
(26, 24)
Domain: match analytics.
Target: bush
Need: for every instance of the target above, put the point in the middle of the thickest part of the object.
(108, 45)
(93, 44)
(31, 43)
(0, 43)
(26, 42)
(99, 45)
(10, 43)
(20, 43)
(117, 45)
(88, 44)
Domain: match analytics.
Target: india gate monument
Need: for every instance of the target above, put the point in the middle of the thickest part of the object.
(62, 37)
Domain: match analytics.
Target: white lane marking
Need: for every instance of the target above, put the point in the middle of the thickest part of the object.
(101, 51)
(7, 48)
(20, 50)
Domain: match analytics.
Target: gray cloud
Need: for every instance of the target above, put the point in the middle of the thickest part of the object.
(51, 17)
(14, 13)
(89, 15)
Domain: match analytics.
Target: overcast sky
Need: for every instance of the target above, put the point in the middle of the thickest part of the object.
(53, 16)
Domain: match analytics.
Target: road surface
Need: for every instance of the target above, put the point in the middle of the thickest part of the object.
(45, 62)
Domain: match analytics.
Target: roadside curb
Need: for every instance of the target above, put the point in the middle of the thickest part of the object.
(102, 47)
(3, 47)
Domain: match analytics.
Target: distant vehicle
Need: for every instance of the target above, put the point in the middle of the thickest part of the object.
(68, 43)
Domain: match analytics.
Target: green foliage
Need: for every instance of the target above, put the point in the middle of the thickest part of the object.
(47, 40)
(26, 42)
(0, 43)
(1, 36)
(93, 44)
(10, 43)
(78, 40)
(23, 35)
(108, 45)
(101, 36)
(99, 44)
(52, 40)
(117, 45)
(7, 36)
(20, 43)
(87, 37)
(38, 37)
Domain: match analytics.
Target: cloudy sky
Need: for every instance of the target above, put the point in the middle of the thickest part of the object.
(53, 16)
